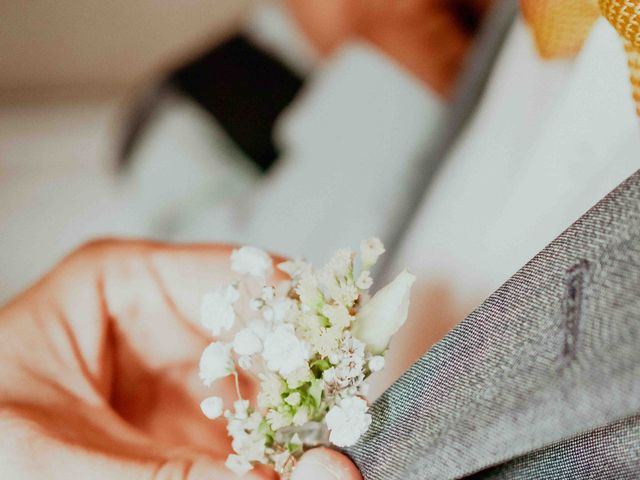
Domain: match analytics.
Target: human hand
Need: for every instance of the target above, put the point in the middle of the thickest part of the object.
(98, 370)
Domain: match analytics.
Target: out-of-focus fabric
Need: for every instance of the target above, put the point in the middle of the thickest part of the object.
(565, 128)
(350, 146)
(624, 15)
(541, 381)
(559, 28)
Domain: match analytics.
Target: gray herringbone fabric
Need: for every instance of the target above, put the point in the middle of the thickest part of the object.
(541, 381)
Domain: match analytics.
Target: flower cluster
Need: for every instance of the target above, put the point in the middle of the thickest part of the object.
(311, 341)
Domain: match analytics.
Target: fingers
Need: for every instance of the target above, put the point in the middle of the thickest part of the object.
(33, 445)
(325, 464)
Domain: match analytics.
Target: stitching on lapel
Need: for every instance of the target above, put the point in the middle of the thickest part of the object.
(572, 308)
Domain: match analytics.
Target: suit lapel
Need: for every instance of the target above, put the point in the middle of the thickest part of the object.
(551, 354)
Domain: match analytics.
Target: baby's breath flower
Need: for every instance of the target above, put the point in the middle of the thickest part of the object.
(293, 399)
(238, 464)
(211, 407)
(298, 376)
(347, 421)
(270, 390)
(283, 351)
(241, 408)
(268, 292)
(301, 416)
(278, 420)
(216, 311)
(376, 363)
(259, 327)
(282, 308)
(294, 268)
(341, 264)
(250, 445)
(364, 280)
(370, 250)
(251, 261)
(338, 315)
(256, 304)
(245, 362)
(326, 340)
(246, 342)
(216, 362)
(307, 290)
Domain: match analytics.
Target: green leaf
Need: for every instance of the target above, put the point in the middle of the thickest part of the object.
(315, 390)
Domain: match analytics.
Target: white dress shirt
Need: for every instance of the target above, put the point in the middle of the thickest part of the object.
(547, 142)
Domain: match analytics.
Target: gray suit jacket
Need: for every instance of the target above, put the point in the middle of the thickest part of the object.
(541, 381)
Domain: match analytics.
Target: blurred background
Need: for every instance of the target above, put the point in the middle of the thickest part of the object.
(283, 124)
(69, 72)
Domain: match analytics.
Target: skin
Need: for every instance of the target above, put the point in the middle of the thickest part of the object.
(98, 370)
(429, 38)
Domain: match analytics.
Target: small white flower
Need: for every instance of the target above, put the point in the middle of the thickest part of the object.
(341, 263)
(281, 307)
(238, 464)
(268, 292)
(259, 327)
(211, 407)
(241, 407)
(216, 311)
(250, 445)
(347, 421)
(256, 304)
(270, 390)
(246, 342)
(283, 351)
(278, 420)
(294, 268)
(251, 261)
(293, 399)
(376, 363)
(338, 315)
(384, 314)
(370, 250)
(364, 280)
(301, 417)
(298, 376)
(307, 290)
(245, 362)
(329, 375)
(215, 362)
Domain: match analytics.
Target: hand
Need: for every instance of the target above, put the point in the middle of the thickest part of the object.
(98, 370)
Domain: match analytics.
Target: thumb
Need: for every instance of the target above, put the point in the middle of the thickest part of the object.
(325, 464)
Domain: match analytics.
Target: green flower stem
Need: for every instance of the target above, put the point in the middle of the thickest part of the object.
(237, 382)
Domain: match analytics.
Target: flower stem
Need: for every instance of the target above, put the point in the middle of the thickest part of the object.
(237, 381)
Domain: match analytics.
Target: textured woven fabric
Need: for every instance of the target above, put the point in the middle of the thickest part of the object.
(624, 15)
(538, 381)
(559, 28)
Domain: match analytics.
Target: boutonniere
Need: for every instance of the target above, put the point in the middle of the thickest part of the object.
(312, 342)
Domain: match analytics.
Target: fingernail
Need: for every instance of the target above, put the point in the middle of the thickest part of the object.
(311, 469)
(323, 464)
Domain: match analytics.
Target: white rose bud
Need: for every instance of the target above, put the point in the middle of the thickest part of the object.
(384, 314)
